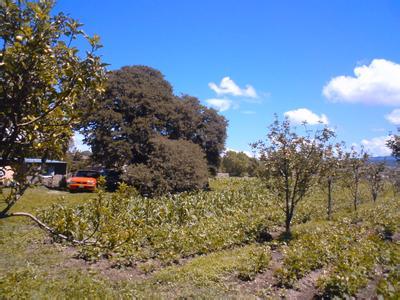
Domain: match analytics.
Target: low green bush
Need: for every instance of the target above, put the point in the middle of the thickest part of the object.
(352, 269)
(389, 285)
(173, 166)
(254, 263)
(314, 246)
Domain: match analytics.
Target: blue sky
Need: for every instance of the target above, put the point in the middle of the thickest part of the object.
(251, 59)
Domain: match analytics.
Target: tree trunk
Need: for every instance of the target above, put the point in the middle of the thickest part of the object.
(374, 196)
(14, 197)
(329, 198)
(355, 196)
(287, 210)
(288, 232)
(288, 221)
(6, 209)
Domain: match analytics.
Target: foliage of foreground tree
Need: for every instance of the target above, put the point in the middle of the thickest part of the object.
(42, 77)
(291, 164)
(139, 105)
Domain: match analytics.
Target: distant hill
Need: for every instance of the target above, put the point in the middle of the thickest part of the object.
(388, 160)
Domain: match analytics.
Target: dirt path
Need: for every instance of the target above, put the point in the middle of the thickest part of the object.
(369, 291)
(266, 281)
(305, 287)
(106, 268)
(265, 285)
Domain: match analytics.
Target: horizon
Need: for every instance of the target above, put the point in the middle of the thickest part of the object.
(332, 63)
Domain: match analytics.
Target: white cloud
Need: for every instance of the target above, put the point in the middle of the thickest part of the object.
(298, 116)
(376, 146)
(377, 83)
(220, 104)
(229, 87)
(394, 117)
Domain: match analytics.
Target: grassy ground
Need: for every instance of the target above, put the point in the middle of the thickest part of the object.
(318, 259)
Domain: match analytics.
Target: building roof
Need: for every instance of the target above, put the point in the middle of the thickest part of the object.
(39, 161)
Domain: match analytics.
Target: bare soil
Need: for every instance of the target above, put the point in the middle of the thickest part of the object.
(104, 267)
(305, 287)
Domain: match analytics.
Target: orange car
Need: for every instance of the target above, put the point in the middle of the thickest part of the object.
(84, 180)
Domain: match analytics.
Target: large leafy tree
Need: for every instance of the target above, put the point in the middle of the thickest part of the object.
(42, 77)
(291, 164)
(139, 105)
(201, 125)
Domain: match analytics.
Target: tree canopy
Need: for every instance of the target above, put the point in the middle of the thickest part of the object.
(139, 105)
(42, 77)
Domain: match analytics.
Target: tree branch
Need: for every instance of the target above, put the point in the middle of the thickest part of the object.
(43, 115)
(47, 228)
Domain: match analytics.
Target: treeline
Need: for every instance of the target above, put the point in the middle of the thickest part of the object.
(239, 164)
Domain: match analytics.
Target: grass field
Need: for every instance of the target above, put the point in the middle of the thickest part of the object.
(210, 245)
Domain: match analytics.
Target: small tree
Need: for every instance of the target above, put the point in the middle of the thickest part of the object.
(291, 164)
(42, 77)
(330, 171)
(374, 176)
(354, 168)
